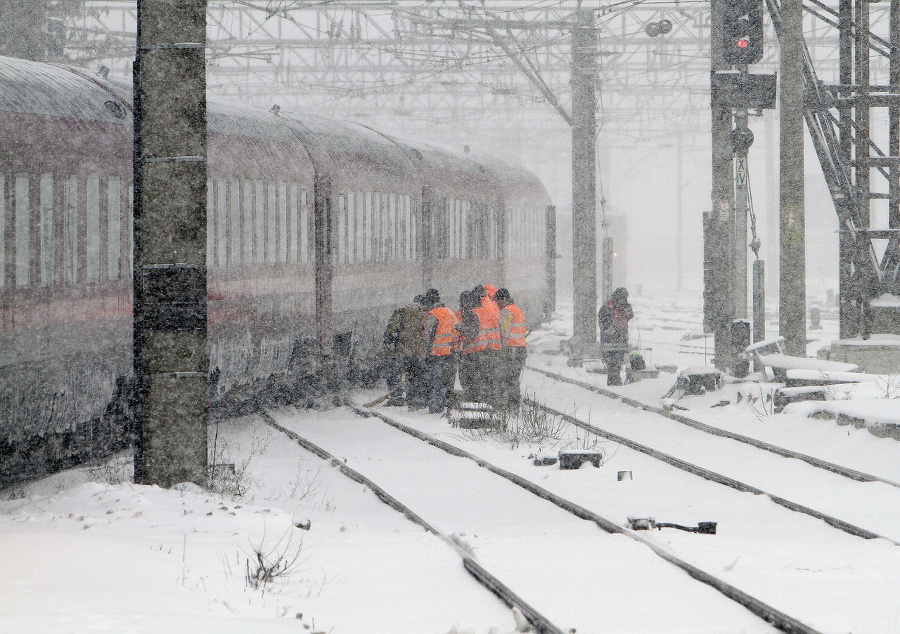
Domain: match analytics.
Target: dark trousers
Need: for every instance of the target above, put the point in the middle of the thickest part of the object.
(480, 374)
(613, 361)
(513, 362)
(412, 367)
(437, 371)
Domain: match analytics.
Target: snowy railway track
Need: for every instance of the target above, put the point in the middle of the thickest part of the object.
(847, 472)
(572, 562)
(535, 618)
(853, 491)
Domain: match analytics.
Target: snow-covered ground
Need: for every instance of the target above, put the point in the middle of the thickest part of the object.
(87, 551)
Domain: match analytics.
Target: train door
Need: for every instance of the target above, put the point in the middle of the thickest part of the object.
(324, 268)
(426, 238)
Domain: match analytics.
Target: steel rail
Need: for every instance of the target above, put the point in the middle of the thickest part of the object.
(761, 609)
(847, 472)
(712, 476)
(539, 622)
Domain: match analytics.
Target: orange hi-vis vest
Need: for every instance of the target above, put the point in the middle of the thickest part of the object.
(516, 336)
(488, 331)
(445, 336)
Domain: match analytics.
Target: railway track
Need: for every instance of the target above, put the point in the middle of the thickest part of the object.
(845, 498)
(853, 474)
(569, 534)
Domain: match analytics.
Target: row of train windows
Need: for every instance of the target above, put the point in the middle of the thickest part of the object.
(528, 234)
(84, 223)
(256, 222)
(461, 229)
(374, 227)
(259, 222)
(78, 235)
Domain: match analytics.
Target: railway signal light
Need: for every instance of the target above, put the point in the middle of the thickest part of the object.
(742, 31)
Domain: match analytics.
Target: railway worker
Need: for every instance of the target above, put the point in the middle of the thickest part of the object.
(401, 343)
(613, 317)
(513, 349)
(438, 343)
(487, 292)
(484, 348)
(466, 328)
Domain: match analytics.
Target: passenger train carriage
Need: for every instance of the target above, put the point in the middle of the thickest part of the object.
(316, 231)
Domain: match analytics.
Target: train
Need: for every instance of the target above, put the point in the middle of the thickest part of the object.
(288, 319)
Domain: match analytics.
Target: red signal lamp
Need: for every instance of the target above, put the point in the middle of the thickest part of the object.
(743, 43)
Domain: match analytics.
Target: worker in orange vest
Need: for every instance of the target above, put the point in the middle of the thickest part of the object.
(438, 343)
(514, 350)
(482, 351)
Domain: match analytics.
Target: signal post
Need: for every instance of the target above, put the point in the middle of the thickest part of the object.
(736, 41)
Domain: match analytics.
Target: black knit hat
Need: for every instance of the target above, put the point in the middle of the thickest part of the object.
(432, 296)
(502, 295)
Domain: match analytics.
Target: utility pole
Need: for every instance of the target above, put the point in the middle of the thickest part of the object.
(792, 266)
(718, 224)
(171, 361)
(584, 192)
(741, 139)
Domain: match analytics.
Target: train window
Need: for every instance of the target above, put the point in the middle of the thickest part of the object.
(437, 227)
(293, 229)
(92, 229)
(247, 213)
(404, 229)
(460, 228)
(390, 212)
(413, 232)
(129, 226)
(282, 232)
(376, 227)
(450, 216)
(259, 222)
(271, 227)
(463, 230)
(304, 227)
(47, 241)
(2, 231)
(492, 238)
(360, 213)
(385, 228)
(210, 224)
(221, 222)
(368, 226)
(234, 212)
(351, 227)
(23, 235)
(114, 227)
(476, 231)
(341, 254)
(467, 228)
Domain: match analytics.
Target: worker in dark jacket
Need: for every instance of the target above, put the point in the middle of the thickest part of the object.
(466, 328)
(513, 350)
(614, 316)
(402, 339)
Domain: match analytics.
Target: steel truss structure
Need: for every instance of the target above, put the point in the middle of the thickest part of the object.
(434, 66)
(425, 64)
